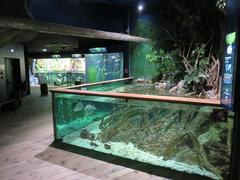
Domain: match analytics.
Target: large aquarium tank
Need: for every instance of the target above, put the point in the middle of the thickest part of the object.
(104, 66)
(189, 138)
(57, 71)
(71, 71)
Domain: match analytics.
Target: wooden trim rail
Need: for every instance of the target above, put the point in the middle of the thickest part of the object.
(95, 84)
(27, 25)
(170, 99)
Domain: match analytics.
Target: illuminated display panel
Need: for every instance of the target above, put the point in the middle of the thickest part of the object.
(227, 94)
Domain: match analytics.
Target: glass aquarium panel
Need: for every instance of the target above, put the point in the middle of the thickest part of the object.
(57, 71)
(59, 64)
(105, 66)
(60, 78)
(182, 137)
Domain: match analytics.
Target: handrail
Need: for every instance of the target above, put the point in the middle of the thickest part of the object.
(171, 99)
(94, 84)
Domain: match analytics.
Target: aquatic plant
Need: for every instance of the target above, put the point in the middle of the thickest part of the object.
(92, 74)
(167, 63)
(101, 73)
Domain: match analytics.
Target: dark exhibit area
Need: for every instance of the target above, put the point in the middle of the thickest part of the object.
(120, 89)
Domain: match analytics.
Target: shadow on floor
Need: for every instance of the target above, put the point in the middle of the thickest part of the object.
(74, 162)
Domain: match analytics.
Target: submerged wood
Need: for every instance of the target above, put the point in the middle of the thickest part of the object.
(50, 28)
(184, 136)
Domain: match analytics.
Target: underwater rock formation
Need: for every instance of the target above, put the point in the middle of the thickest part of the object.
(93, 144)
(166, 88)
(191, 137)
(107, 146)
(85, 134)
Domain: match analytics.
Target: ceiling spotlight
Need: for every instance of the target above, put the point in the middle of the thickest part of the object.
(140, 7)
(12, 50)
(44, 50)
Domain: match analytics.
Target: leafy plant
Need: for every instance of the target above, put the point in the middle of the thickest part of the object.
(167, 63)
(196, 81)
(92, 74)
(196, 64)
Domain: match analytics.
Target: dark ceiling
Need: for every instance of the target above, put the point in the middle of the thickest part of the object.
(18, 7)
(55, 43)
(61, 44)
(13, 8)
(117, 2)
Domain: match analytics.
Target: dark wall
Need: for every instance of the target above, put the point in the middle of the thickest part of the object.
(147, 24)
(79, 13)
(13, 8)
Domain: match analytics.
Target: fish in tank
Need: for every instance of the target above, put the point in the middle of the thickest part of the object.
(171, 135)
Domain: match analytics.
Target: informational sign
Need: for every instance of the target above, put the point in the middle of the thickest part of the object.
(227, 94)
(98, 50)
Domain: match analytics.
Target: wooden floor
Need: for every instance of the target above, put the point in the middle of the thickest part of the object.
(26, 152)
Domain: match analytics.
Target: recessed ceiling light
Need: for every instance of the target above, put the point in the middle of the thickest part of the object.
(140, 7)
(12, 50)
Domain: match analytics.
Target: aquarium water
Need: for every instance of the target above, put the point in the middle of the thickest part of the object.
(176, 136)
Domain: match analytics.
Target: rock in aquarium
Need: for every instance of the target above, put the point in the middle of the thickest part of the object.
(84, 134)
(91, 136)
(93, 144)
(107, 146)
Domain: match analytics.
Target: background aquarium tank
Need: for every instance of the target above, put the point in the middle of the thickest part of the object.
(104, 66)
(57, 71)
(184, 137)
(69, 71)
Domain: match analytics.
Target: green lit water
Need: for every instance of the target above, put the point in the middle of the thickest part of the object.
(176, 136)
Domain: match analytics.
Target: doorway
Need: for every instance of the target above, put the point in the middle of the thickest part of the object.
(13, 77)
